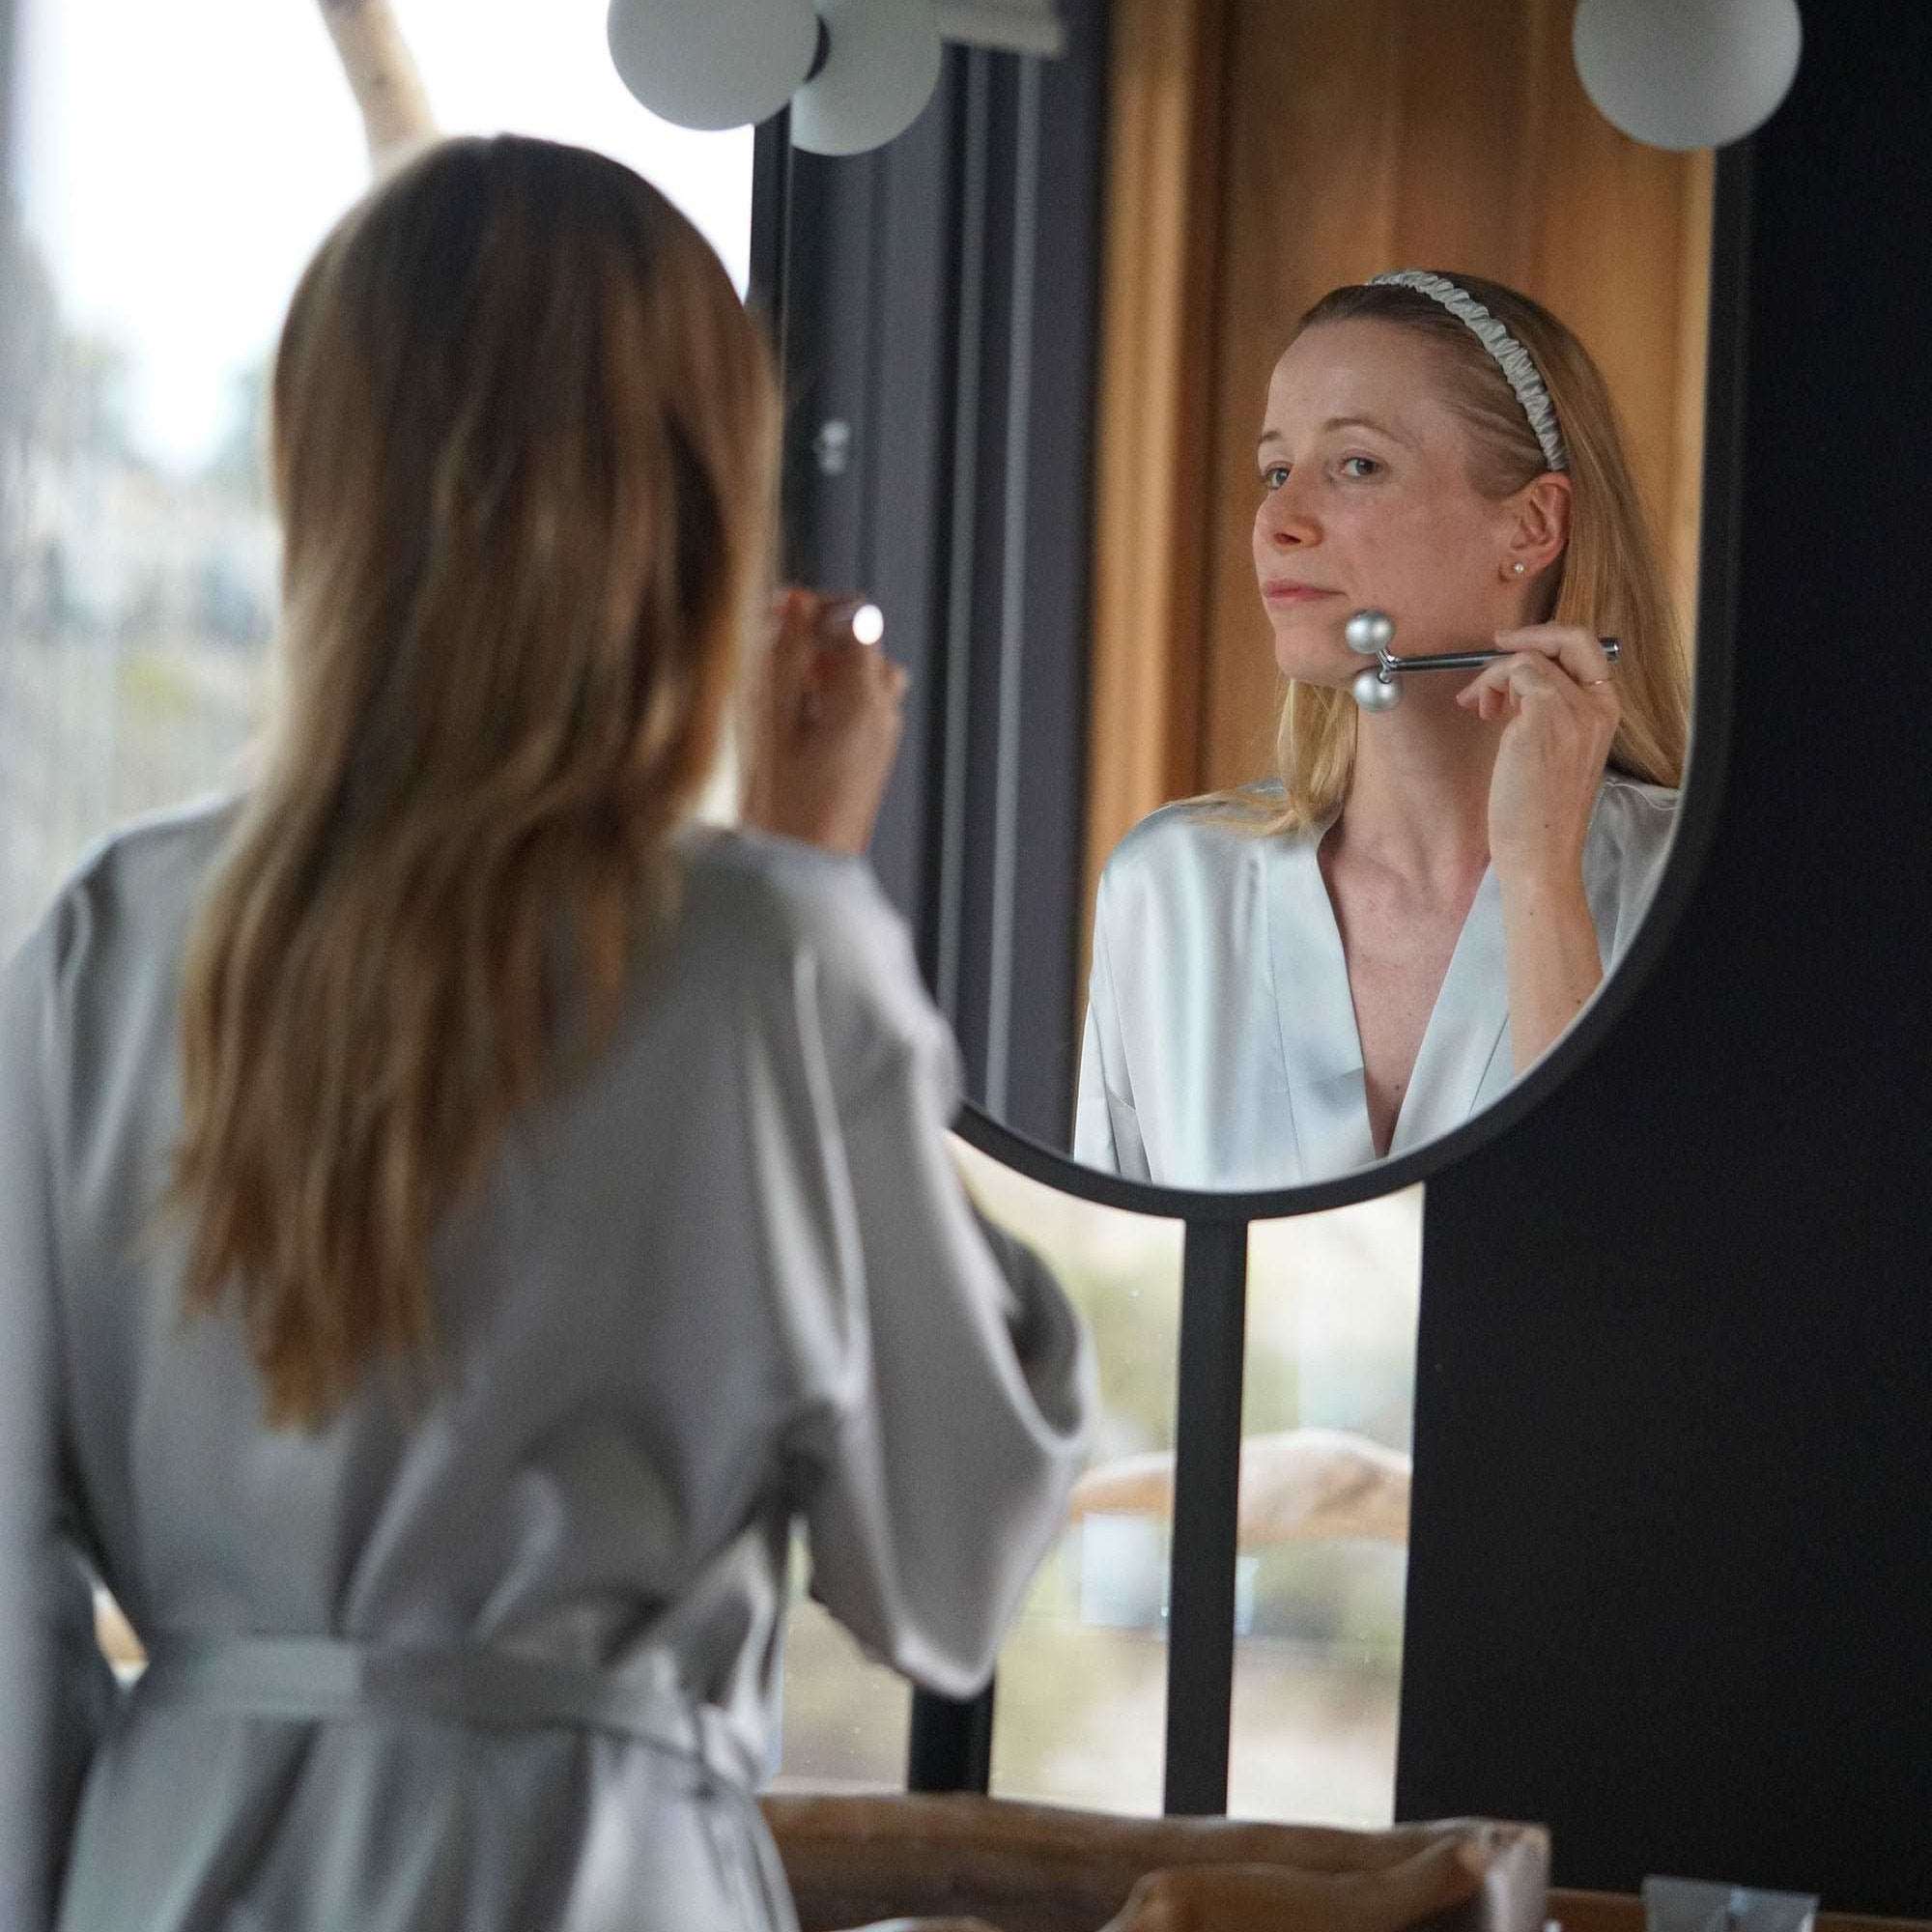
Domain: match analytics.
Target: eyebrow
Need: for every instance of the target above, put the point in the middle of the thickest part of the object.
(1268, 435)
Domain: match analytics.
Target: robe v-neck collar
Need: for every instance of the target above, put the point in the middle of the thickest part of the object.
(1320, 1042)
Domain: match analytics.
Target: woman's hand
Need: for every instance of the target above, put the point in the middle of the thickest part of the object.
(827, 724)
(1560, 701)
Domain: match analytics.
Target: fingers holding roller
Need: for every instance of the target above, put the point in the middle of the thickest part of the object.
(1586, 660)
(1551, 664)
(1578, 651)
(829, 723)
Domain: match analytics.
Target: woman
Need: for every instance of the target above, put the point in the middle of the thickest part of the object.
(1299, 978)
(454, 1213)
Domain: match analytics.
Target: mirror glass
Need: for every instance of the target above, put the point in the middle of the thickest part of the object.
(1317, 934)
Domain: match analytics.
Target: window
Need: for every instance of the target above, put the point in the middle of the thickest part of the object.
(174, 168)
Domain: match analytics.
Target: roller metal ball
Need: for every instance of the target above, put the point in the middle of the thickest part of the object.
(1371, 693)
(1369, 632)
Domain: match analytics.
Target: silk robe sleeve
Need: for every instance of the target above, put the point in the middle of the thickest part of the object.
(934, 1465)
(55, 1687)
(1106, 1127)
(1623, 867)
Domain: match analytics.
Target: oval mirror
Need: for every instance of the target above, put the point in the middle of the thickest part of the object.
(1339, 899)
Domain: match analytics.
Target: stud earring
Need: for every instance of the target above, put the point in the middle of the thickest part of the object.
(1517, 568)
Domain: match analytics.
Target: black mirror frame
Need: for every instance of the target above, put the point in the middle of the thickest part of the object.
(951, 1744)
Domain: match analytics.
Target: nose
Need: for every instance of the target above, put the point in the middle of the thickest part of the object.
(1283, 521)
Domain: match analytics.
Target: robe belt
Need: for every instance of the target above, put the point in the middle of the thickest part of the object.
(318, 1679)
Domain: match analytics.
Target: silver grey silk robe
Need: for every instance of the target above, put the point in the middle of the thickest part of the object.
(1221, 1049)
(728, 1281)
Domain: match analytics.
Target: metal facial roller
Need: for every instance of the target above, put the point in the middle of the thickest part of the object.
(1377, 687)
(853, 620)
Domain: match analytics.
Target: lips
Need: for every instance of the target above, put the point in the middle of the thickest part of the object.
(1286, 590)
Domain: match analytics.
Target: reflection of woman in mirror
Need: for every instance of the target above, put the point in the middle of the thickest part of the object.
(1297, 978)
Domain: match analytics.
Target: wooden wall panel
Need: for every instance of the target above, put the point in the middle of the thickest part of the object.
(1165, 89)
(1312, 196)
(1356, 135)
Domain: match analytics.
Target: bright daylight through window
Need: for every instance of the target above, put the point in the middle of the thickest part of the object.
(173, 168)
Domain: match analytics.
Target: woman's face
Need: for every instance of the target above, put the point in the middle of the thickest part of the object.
(1366, 501)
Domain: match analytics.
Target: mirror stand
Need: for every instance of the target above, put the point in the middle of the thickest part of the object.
(952, 1748)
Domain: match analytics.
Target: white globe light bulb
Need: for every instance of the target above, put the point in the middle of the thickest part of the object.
(881, 66)
(1687, 74)
(713, 63)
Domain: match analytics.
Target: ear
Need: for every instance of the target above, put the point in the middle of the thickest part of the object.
(1541, 514)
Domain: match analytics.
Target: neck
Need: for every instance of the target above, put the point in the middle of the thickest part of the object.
(1419, 798)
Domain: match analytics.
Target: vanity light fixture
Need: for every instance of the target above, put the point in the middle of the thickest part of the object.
(713, 63)
(854, 73)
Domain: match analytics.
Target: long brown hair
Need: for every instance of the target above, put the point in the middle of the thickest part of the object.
(523, 448)
(1609, 578)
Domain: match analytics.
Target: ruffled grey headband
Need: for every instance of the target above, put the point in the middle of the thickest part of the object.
(1511, 356)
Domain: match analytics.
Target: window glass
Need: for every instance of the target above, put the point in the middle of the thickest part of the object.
(847, 1722)
(174, 168)
(1080, 1713)
(1326, 1418)
(1082, 1698)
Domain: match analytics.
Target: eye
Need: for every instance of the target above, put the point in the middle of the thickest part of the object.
(1360, 466)
(1274, 475)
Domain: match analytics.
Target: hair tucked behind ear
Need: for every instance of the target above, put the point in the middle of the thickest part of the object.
(524, 449)
(1611, 579)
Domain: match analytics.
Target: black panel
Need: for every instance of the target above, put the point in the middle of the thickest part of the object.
(939, 301)
(941, 297)
(1012, 992)
(866, 296)
(1671, 1566)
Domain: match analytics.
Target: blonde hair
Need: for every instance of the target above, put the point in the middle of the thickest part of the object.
(524, 449)
(1609, 578)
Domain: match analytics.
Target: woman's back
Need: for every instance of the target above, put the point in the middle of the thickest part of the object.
(723, 1277)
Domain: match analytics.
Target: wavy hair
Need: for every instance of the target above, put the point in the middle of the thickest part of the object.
(1609, 580)
(523, 450)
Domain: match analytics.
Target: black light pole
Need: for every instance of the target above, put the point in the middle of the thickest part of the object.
(771, 222)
